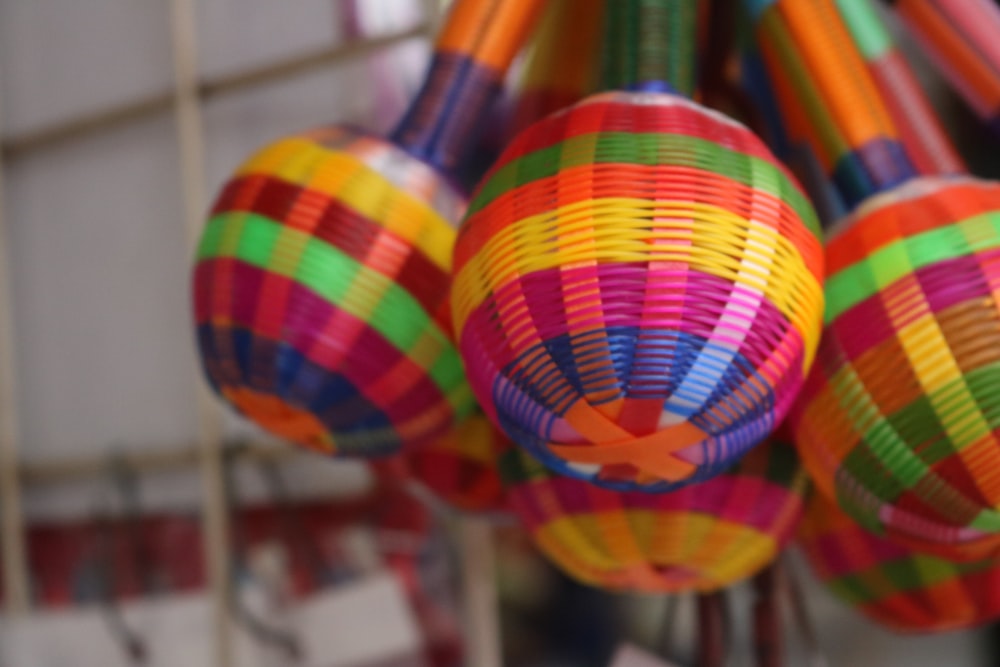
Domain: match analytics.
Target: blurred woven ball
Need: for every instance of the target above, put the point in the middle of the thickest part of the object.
(702, 537)
(898, 421)
(902, 589)
(461, 468)
(637, 291)
(320, 295)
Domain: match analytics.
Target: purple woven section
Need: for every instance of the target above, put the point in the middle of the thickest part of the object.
(448, 110)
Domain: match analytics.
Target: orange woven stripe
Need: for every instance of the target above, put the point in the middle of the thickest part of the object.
(489, 32)
(793, 114)
(653, 453)
(839, 70)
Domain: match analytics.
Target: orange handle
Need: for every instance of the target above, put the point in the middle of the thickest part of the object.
(490, 32)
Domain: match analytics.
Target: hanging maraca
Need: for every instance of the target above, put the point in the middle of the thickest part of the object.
(905, 590)
(898, 419)
(321, 283)
(703, 537)
(637, 290)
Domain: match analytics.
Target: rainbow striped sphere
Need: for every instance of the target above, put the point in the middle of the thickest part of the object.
(320, 295)
(899, 419)
(461, 468)
(902, 589)
(637, 291)
(702, 537)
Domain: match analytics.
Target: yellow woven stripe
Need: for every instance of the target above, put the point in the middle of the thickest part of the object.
(935, 367)
(343, 177)
(723, 551)
(931, 356)
(612, 230)
(715, 552)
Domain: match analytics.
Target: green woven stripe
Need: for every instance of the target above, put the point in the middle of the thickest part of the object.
(648, 149)
(910, 574)
(866, 28)
(332, 275)
(853, 284)
(650, 40)
(885, 461)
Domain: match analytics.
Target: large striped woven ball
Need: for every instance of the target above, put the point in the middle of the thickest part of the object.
(702, 537)
(320, 295)
(902, 589)
(637, 291)
(899, 419)
(461, 467)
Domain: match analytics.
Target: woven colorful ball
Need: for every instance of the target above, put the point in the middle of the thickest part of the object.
(322, 276)
(899, 588)
(461, 468)
(899, 419)
(637, 291)
(320, 295)
(703, 537)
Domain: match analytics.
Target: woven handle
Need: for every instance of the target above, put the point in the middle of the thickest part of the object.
(649, 43)
(828, 97)
(474, 49)
(920, 130)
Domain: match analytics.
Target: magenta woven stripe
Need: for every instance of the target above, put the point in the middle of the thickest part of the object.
(308, 324)
(575, 288)
(929, 289)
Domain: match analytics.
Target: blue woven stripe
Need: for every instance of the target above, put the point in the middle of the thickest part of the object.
(334, 399)
(877, 166)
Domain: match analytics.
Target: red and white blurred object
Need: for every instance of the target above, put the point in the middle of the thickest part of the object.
(160, 595)
(334, 628)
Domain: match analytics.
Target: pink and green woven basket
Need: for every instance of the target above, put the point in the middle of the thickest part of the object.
(703, 537)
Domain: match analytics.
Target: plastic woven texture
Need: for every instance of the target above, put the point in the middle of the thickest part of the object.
(637, 291)
(901, 589)
(899, 419)
(960, 37)
(700, 538)
(322, 276)
(831, 102)
(461, 468)
(473, 51)
(920, 131)
(320, 292)
(651, 45)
